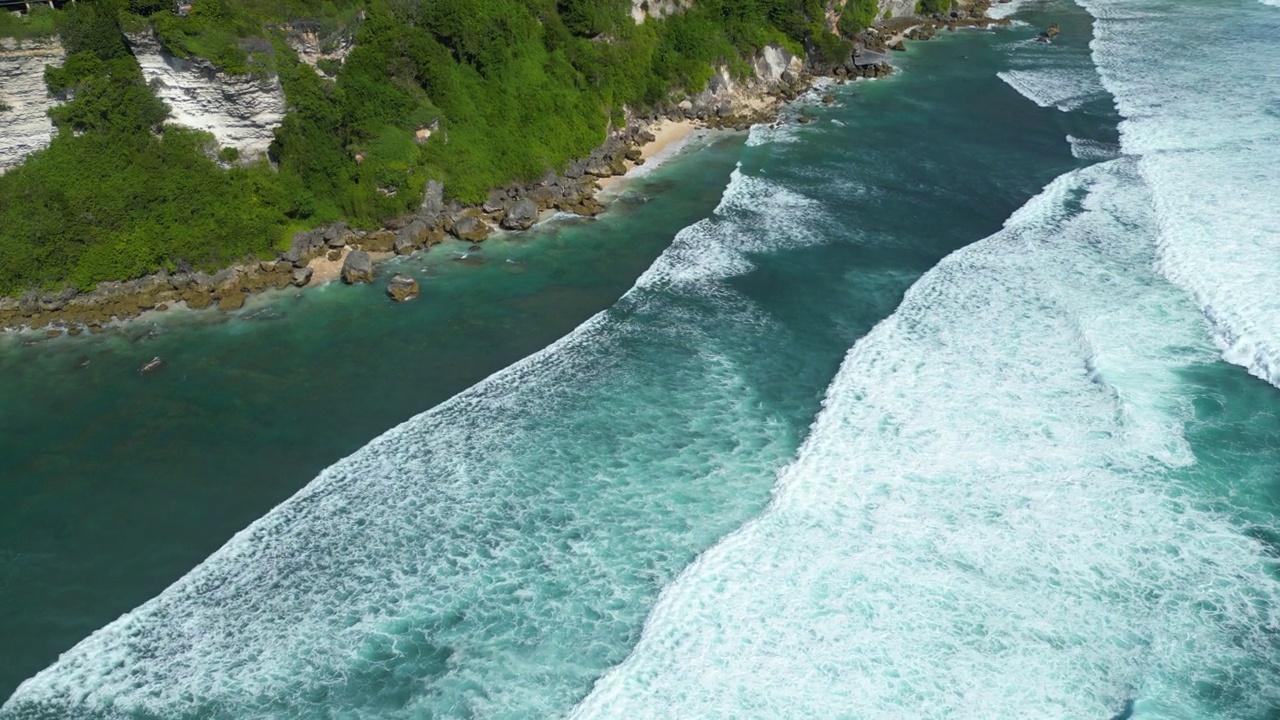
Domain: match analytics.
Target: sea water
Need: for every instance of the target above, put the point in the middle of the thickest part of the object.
(1033, 488)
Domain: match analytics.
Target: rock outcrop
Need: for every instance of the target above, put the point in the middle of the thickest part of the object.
(242, 111)
(896, 9)
(470, 228)
(521, 215)
(642, 10)
(402, 287)
(307, 41)
(26, 125)
(357, 268)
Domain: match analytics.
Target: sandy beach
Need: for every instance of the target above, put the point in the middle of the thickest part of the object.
(324, 270)
(666, 133)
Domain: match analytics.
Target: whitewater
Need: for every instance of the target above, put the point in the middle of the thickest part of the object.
(997, 513)
(1033, 488)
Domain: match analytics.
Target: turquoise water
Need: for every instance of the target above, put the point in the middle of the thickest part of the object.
(117, 484)
(1032, 488)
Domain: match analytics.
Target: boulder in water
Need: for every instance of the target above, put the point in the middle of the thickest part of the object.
(403, 288)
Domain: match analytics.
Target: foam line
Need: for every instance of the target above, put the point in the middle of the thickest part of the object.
(1209, 138)
(987, 518)
(494, 555)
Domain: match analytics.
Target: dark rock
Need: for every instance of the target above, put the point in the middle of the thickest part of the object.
(522, 215)
(299, 248)
(334, 254)
(334, 232)
(633, 154)
(497, 201)
(378, 241)
(357, 268)
(1052, 31)
(828, 99)
(575, 169)
(470, 228)
(402, 288)
(599, 167)
(197, 299)
(410, 237)
(432, 201)
(233, 300)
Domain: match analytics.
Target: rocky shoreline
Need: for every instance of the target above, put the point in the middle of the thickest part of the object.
(779, 79)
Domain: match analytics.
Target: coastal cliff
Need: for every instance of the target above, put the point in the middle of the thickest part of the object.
(241, 111)
(401, 136)
(26, 122)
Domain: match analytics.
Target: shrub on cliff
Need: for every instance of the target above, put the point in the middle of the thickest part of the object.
(857, 15)
(509, 88)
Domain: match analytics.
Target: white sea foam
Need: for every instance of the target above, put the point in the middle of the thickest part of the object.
(1005, 9)
(445, 566)
(1207, 126)
(1084, 149)
(984, 521)
(1063, 89)
(754, 215)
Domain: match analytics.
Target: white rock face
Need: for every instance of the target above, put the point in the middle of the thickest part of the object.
(25, 127)
(723, 92)
(897, 8)
(311, 48)
(240, 111)
(642, 9)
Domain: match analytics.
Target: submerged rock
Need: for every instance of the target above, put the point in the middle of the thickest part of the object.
(357, 268)
(402, 288)
(152, 365)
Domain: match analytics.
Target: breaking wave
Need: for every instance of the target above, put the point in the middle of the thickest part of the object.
(988, 519)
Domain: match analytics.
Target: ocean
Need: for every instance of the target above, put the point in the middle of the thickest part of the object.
(958, 402)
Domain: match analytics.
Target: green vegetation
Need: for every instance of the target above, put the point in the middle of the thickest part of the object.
(930, 7)
(111, 198)
(857, 15)
(508, 88)
(39, 23)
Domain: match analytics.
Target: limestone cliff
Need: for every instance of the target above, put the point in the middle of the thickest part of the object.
(643, 9)
(241, 111)
(897, 8)
(724, 95)
(312, 46)
(26, 123)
